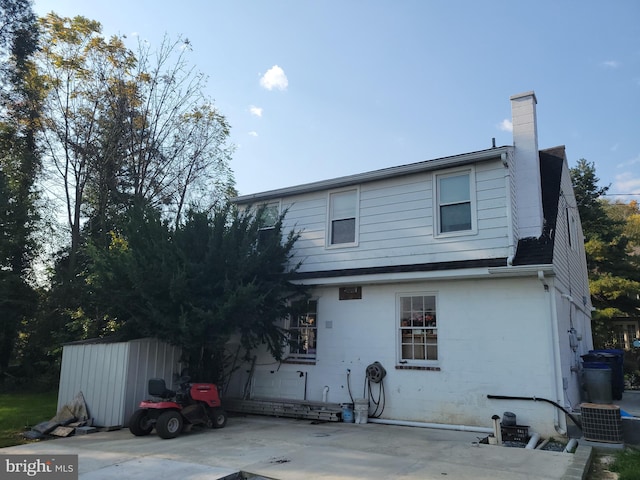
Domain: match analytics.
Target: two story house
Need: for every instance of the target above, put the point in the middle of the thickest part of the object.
(463, 277)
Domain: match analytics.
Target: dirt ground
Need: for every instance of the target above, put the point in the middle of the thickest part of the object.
(599, 470)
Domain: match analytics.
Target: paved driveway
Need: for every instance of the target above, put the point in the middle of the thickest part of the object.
(287, 449)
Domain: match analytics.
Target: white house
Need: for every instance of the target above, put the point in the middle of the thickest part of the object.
(464, 277)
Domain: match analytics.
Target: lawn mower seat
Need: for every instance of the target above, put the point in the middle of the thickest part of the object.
(157, 388)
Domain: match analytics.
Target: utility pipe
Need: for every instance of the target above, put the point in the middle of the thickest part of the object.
(543, 444)
(561, 425)
(440, 426)
(497, 430)
(538, 399)
(510, 227)
(573, 443)
(557, 383)
(325, 393)
(533, 441)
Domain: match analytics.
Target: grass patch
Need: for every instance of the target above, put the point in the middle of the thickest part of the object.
(627, 465)
(19, 411)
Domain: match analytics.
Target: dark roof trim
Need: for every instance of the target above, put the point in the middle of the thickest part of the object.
(424, 166)
(416, 267)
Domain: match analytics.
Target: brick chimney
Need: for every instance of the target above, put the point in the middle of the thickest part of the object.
(527, 165)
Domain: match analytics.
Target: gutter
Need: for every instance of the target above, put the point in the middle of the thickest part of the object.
(523, 270)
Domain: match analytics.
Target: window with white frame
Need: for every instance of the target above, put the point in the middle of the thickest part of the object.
(418, 328)
(343, 214)
(269, 214)
(303, 329)
(626, 334)
(454, 202)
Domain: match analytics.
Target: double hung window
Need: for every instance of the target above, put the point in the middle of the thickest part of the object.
(454, 202)
(303, 329)
(418, 328)
(343, 214)
(269, 214)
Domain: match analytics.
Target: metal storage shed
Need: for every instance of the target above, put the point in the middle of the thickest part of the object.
(113, 375)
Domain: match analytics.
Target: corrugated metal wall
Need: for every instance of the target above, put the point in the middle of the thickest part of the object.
(113, 376)
(148, 358)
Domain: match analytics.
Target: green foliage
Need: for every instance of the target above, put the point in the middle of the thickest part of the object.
(21, 410)
(611, 246)
(214, 276)
(120, 129)
(627, 465)
(19, 167)
(595, 222)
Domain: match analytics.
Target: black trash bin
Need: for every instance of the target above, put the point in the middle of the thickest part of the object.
(615, 359)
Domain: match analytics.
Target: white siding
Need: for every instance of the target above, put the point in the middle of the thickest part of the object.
(396, 224)
(496, 334)
(573, 300)
(569, 255)
(495, 337)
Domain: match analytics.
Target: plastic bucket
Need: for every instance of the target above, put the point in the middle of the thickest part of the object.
(347, 413)
(597, 383)
(361, 410)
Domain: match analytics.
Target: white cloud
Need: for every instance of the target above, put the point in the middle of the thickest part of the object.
(627, 183)
(506, 125)
(253, 133)
(274, 78)
(629, 163)
(257, 111)
(610, 64)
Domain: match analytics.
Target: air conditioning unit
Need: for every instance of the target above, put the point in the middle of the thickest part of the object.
(601, 423)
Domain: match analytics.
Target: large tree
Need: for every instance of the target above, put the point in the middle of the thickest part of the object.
(177, 151)
(78, 65)
(122, 127)
(214, 276)
(19, 168)
(611, 250)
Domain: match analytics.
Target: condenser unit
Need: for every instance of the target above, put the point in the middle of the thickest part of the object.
(601, 423)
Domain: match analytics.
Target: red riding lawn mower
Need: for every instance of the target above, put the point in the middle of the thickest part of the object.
(171, 412)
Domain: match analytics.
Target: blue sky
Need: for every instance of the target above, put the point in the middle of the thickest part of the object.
(321, 89)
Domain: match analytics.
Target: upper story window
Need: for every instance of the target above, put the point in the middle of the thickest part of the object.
(572, 232)
(343, 216)
(269, 214)
(455, 202)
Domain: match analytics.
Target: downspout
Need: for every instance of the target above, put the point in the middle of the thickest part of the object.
(325, 393)
(507, 186)
(561, 422)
